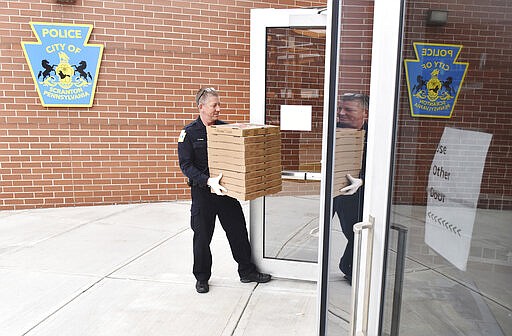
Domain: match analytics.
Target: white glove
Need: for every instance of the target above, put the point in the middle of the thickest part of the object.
(355, 183)
(214, 183)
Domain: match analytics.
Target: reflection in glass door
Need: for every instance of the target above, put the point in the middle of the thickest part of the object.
(352, 85)
(287, 83)
(294, 100)
(452, 183)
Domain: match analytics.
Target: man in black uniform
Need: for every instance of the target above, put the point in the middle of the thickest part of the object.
(207, 205)
(352, 113)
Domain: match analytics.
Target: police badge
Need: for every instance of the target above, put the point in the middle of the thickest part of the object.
(437, 79)
(64, 67)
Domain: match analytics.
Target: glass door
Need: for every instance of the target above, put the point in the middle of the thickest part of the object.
(448, 265)
(287, 90)
(438, 174)
(367, 39)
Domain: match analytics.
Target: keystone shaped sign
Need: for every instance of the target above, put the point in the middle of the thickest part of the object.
(64, 67)
(434, 79)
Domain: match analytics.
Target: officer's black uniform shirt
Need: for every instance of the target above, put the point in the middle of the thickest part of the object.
(193, 154)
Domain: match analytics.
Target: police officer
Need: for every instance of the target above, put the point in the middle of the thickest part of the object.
(209, 200)
(352, 113)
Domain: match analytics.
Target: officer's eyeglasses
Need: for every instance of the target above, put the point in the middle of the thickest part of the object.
(209, 90)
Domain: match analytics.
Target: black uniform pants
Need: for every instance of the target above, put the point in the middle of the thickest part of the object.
(206, 206)
(349, 210)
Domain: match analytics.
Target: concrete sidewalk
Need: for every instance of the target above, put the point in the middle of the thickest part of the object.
(126, 270)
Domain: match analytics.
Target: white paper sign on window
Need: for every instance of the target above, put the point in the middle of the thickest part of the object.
(296, 117)
(452, 193)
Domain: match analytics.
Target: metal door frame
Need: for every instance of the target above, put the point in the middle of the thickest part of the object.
(385, 75)
(385, 72)
(384, 87)
(261, 19)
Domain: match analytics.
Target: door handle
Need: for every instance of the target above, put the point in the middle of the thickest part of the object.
(358, 230)
(399, 277)
(293, 175)
(300, 175)
(314, 176)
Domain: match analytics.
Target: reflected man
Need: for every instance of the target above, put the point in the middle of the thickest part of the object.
(352, 113)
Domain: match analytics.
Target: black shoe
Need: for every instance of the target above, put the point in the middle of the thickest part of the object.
(202, 286)
(256, 277)
(349, 279)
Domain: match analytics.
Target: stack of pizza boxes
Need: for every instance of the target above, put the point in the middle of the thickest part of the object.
(249, 158)
(348, 156)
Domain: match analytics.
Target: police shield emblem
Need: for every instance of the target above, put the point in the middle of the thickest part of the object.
(64, 67)
(434, 79)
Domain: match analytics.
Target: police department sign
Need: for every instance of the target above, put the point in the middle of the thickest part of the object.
(64, 67)
(434, 79)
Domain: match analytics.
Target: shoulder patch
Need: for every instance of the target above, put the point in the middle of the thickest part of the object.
(182, 136)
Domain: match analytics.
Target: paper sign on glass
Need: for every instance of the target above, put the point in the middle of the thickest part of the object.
(452, 193)
(296, 117)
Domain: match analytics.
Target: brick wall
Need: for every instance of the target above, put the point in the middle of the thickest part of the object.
(123, 149)
(356, 46)
(293, 70)
(295, 76)
(484, 103)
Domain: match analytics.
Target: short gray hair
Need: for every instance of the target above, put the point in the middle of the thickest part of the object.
(204, 93)
(363, 99)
